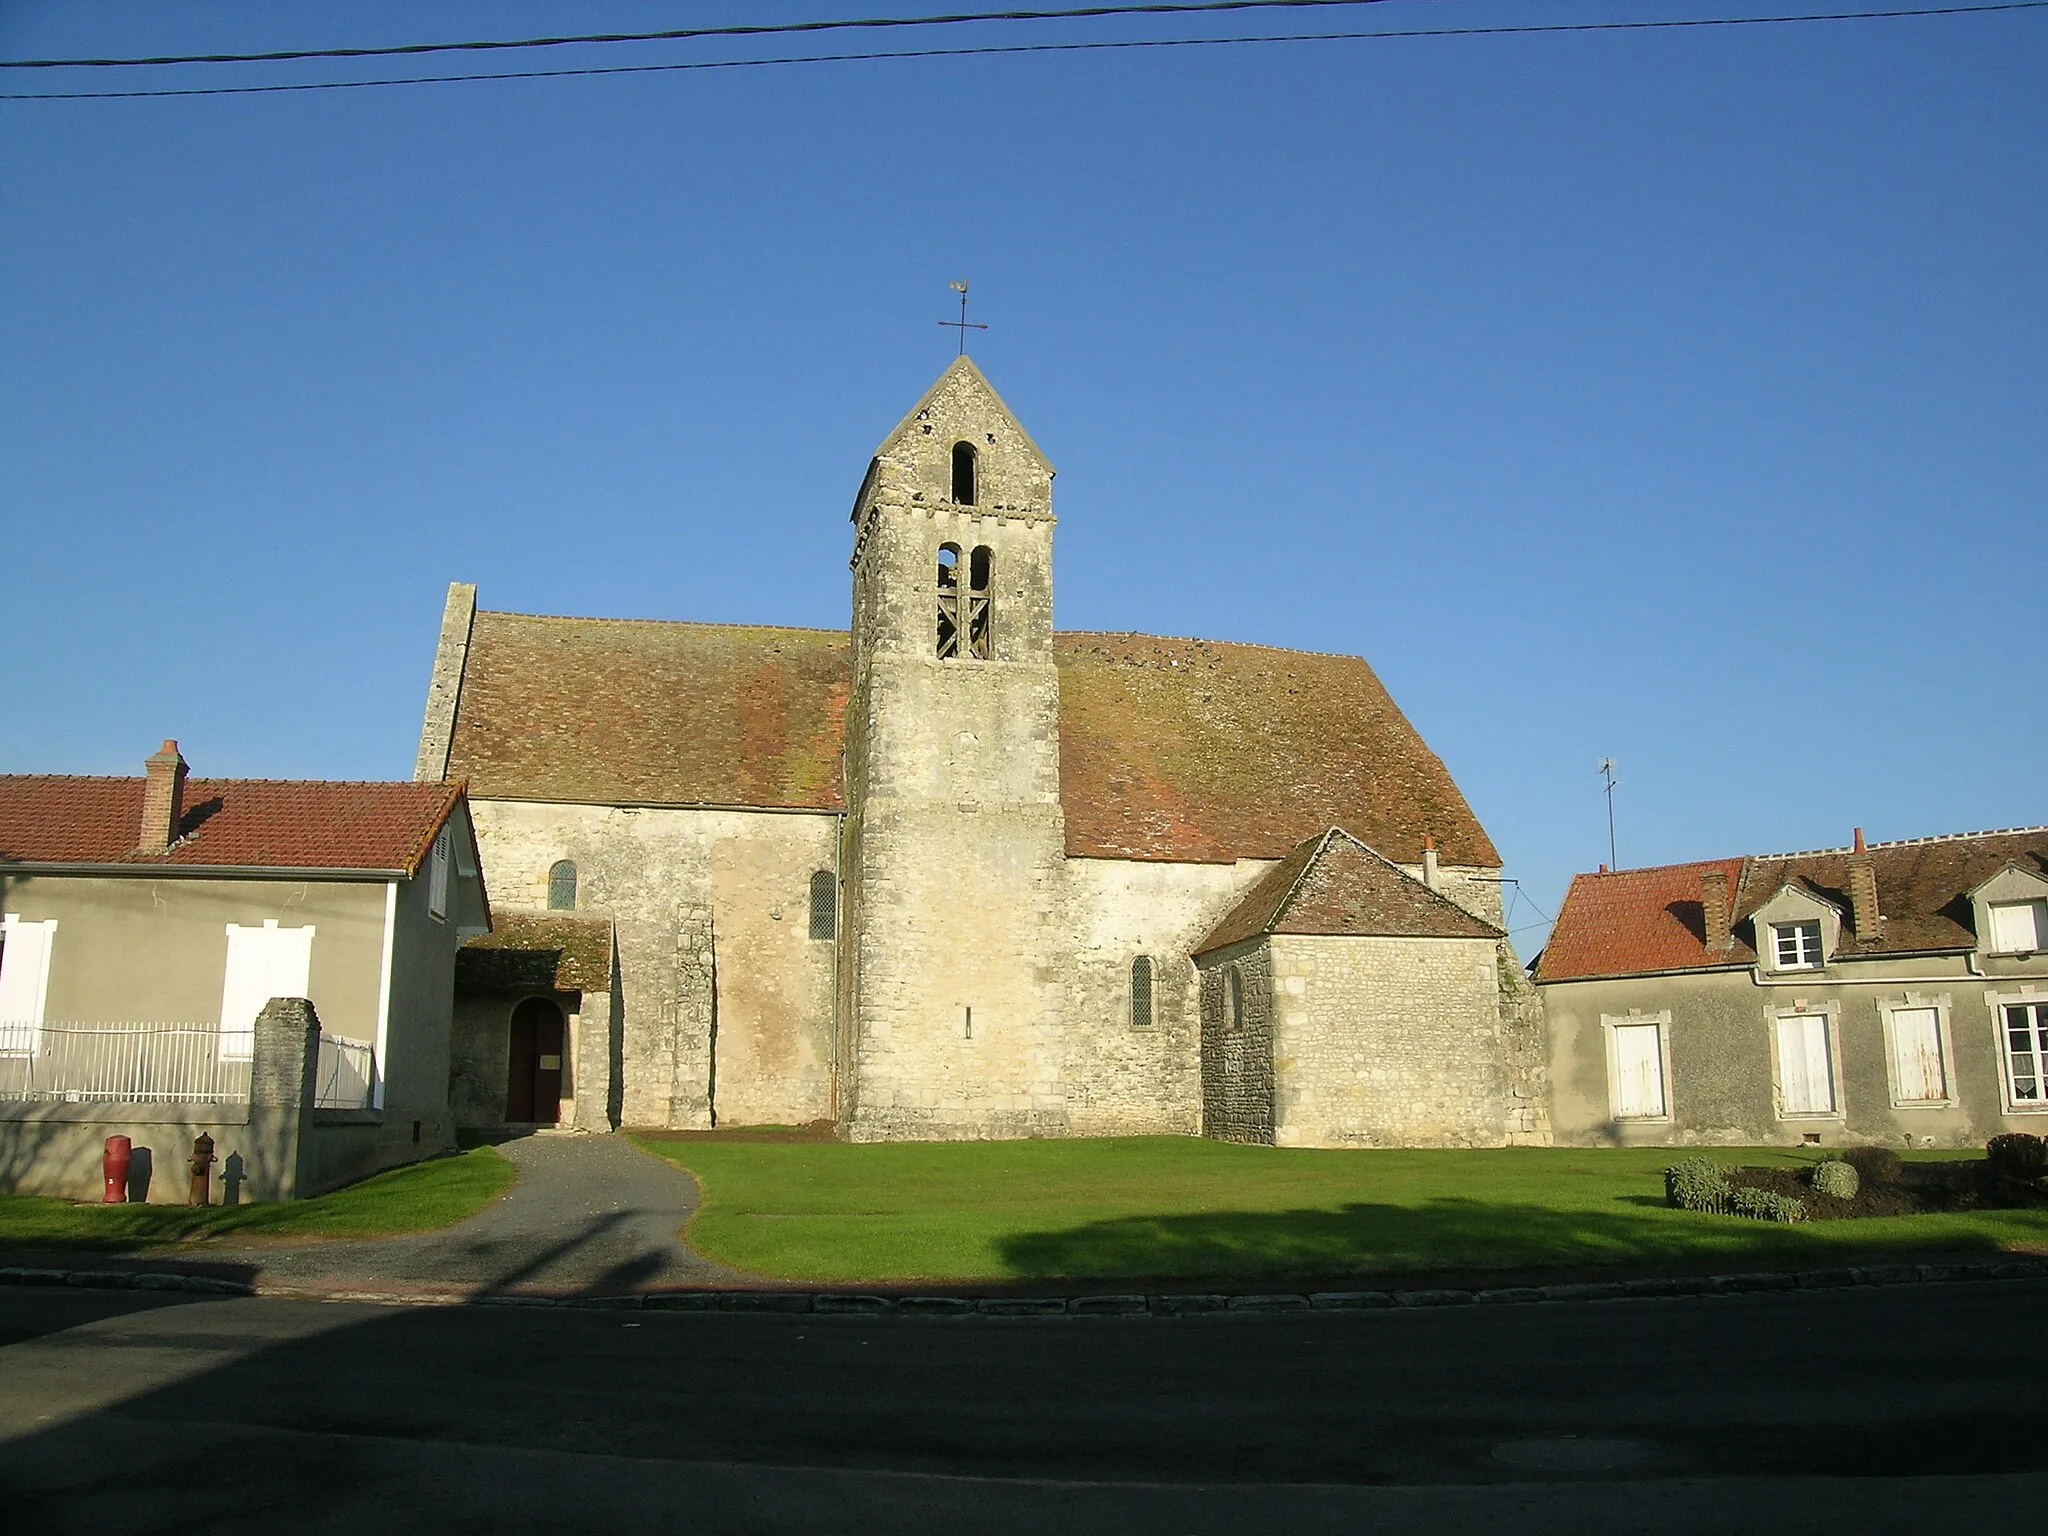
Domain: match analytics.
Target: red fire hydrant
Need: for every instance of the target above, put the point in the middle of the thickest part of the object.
(202, 1169)
(114, 1165)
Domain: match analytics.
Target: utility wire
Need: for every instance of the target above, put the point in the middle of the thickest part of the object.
(1027, 48)
(870, 23)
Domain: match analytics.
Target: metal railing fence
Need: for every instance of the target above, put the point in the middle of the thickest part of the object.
(348, 1071)
(127, 1063)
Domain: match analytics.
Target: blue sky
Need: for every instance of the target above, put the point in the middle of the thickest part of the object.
(1670, 396)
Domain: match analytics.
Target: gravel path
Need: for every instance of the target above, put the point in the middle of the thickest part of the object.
(590, 1215)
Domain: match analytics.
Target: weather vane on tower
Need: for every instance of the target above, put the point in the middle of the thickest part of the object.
(963, 325)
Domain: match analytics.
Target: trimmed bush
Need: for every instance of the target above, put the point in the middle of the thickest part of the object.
(2018, 1154)
(1697, 1184)
(1835, 1178)
(1763, 1205)
(1875, 1165)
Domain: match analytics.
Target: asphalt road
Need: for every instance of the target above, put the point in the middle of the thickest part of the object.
(1902, 1408)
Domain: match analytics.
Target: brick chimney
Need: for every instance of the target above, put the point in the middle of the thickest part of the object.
(1714, 908)
(1430, 876)
(1863, 913)
(163, 799)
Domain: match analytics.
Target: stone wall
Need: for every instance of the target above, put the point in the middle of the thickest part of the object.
(711, 909)
(1122, 1081)
(1237, 1063)
(1387, 1042)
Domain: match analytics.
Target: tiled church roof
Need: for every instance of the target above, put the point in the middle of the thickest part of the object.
(226, 824)
(1332, 884)
(1633, 921)
(1169, 749)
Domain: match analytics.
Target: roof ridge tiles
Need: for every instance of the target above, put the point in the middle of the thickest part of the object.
(573, 618)
(1242, 645)
(1904, 842)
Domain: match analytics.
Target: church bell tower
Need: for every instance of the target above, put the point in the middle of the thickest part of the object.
(955, 845)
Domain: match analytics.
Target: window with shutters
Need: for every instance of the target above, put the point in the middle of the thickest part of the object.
(2023, 1049)
(1141, 992)
(1804, 1055)
(24, 982)
(824, 905)
(1917, 1055)
(263, 963)
(2019, 927)
(437, 878)
(562, 886)
(1637, 1085)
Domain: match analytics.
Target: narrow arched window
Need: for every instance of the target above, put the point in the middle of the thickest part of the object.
(963, 474)
(562, 887)
(1233, 1000)
(949, 600)
(1141, 992)
(824, 905)
(980, 600)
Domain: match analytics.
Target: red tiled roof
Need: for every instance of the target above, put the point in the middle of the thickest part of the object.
(1638, 920)
(1333, 885)
(1169, 749)
(1635, 920)
(227, 823)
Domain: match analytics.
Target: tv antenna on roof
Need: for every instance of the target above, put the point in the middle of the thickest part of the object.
(963, 325)
(1606, 772)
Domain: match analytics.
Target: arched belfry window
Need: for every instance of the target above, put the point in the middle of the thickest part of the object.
(980, 579)
(1141, 992)
(949, 600)
(562, 887)
(963, 474)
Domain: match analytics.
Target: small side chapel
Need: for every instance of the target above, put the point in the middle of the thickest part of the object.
(948, 873)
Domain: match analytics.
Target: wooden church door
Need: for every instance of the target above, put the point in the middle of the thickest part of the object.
(533, 1081)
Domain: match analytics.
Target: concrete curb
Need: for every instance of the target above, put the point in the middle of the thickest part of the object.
(1130, 1304)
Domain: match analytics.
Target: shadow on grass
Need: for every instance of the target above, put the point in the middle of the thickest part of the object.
(1442, 1234)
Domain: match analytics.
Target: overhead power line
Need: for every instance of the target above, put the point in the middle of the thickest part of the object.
(691, 34)
(991, 50)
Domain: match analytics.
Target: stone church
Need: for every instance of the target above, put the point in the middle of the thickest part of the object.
(949, 873)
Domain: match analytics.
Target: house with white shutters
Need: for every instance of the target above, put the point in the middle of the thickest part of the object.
(1894, 993)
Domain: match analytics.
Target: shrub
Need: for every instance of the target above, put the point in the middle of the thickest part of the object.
(2018, 1154)
(1697, 1184)
(1834, 1177)
(1763, 1205)
(1875, 1165)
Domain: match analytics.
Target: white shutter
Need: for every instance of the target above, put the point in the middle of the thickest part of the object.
(2017, 927)
(1638, 1070)
(24, 982)
(263, 963)
(1806, 1082)
(437, 877)
(1917, 1067)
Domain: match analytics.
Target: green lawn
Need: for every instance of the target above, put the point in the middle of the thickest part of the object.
(418, 1198)
(1171, 1207)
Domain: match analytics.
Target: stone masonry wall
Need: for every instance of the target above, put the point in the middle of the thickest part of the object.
(1122, 1081)
(711, 909)
(1237, 1064)
(1387, 1043)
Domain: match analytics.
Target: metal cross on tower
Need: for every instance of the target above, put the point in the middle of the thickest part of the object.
(963, 325)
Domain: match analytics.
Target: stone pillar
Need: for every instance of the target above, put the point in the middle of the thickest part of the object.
(284, 1074)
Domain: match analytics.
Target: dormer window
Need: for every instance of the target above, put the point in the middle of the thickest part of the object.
(1796, 945)
(2019, 927)
(963, 474)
